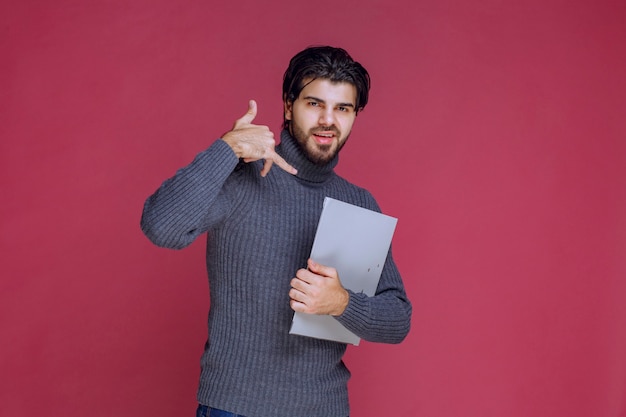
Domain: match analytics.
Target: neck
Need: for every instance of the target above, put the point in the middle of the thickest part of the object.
(292, 152)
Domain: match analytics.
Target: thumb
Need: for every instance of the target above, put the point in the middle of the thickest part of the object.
(250, 114)
(320, 269)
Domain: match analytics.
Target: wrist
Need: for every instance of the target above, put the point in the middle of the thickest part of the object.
(343, 303)
(226, 137)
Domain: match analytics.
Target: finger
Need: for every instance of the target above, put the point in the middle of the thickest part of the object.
(278, 160)
(247, 118)
(320, 269)
(298, 306)
(303, 277)
(266, 167)
(297, 295)
(301, 285)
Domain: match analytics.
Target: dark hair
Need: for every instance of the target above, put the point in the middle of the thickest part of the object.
(329, 63)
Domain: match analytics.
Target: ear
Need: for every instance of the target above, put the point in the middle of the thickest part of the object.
(288, 109)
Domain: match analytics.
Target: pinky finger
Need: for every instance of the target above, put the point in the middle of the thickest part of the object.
(284, 165)
(297, 306)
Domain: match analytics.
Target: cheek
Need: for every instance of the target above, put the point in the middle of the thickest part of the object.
(346, 123)
(308, 119)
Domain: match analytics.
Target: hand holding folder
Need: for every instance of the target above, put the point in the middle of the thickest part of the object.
(355, 241)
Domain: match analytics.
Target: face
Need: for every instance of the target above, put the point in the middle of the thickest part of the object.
(321, 118)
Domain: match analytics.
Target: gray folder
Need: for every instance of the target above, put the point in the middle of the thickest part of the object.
(355, 241)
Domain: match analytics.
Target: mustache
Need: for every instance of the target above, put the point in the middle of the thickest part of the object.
(319, 129)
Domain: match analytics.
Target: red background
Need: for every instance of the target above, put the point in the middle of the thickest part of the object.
(496, 133)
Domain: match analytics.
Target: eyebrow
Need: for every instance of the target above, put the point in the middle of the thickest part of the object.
(324, 102)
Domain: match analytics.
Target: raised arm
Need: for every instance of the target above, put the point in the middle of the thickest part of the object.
(188, 204)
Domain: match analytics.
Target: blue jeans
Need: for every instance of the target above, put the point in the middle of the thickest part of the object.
(204, 411)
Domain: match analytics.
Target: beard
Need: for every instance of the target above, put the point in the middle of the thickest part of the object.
(316, 153)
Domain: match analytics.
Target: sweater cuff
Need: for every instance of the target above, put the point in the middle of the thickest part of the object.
(356, 312)
(219, 155)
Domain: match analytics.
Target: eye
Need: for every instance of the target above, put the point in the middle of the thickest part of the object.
(314, 103)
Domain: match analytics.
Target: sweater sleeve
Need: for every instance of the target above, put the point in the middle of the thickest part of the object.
(385, 317)
(188, 204)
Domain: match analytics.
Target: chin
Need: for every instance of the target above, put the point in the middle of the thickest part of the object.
(320, 158)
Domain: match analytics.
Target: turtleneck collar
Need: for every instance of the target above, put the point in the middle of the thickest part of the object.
(307, 170)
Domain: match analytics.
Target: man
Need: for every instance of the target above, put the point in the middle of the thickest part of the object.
(259, 205)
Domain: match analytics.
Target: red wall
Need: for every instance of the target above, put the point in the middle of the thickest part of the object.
(495, 132)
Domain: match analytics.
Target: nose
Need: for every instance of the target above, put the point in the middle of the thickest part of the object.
(327, 117)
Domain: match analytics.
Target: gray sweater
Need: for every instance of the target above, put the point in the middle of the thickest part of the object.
(259, 233)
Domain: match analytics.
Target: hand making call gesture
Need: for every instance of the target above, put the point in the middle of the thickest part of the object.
(253, 142)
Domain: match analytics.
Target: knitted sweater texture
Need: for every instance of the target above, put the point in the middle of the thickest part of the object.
(259, 233)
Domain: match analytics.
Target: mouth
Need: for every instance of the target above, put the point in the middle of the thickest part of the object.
(324, 137)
